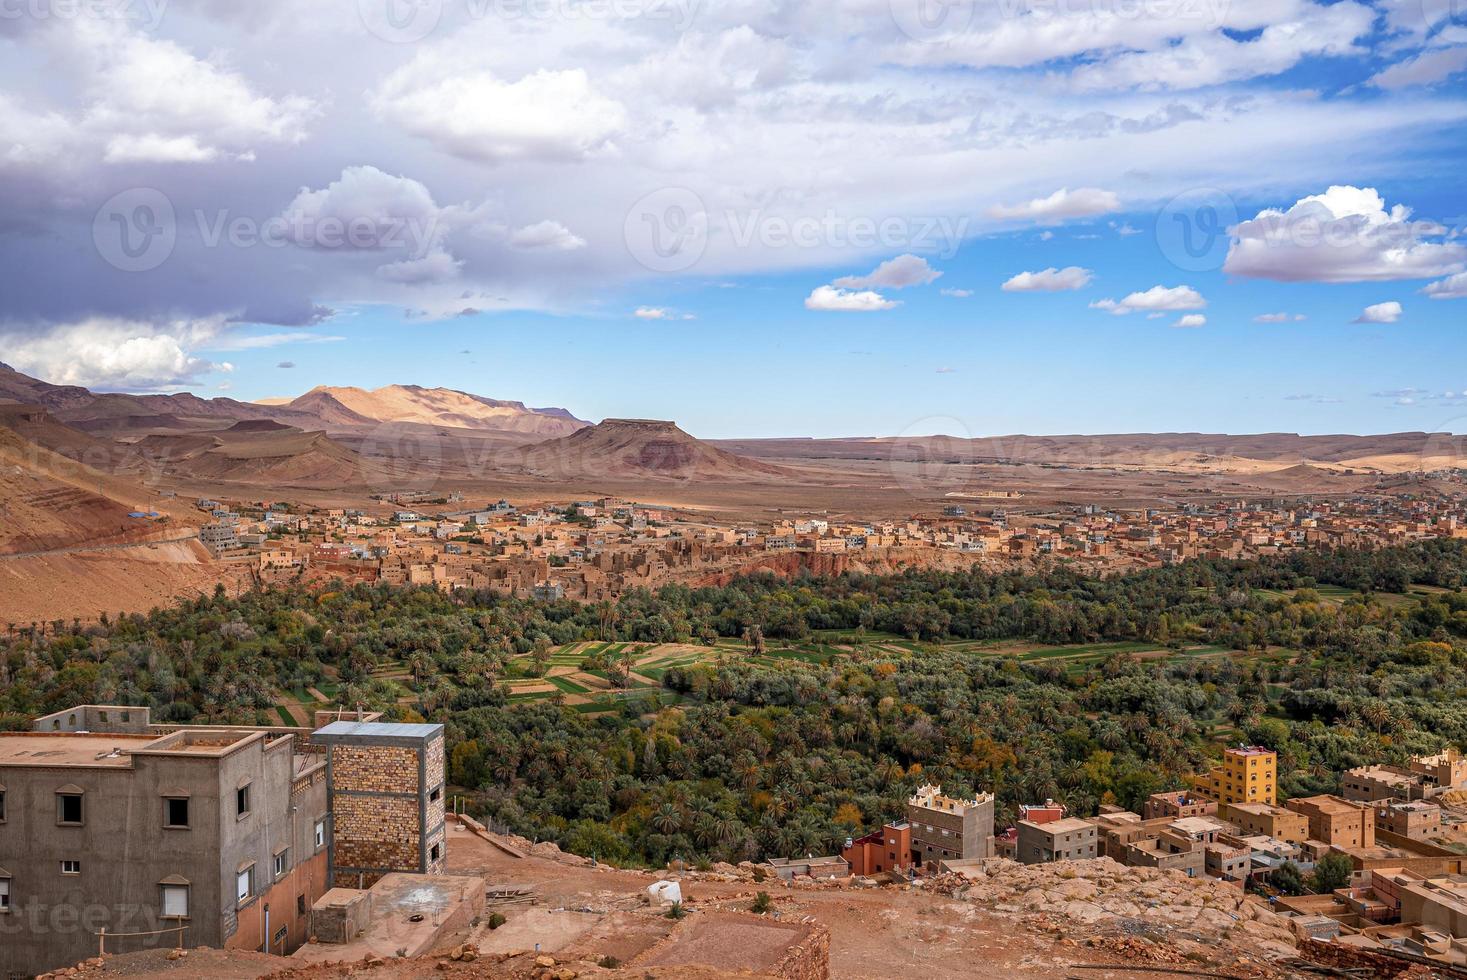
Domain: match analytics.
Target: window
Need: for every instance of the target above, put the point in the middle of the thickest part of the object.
(320, 835)
(69, 808)
(175, 812)
(244, 885)
(71, 867)
(434, 851)
(300, 905)
(242, 800)
(282, 862)
(2, 806)
(436, 795)
(4, 894)
(175, 901)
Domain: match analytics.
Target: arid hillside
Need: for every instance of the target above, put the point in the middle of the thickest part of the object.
(641, 449)
(432, 406)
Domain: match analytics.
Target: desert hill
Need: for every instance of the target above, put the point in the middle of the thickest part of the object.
(264, 454)
(51, 499)
(434, 406)
(639, 449)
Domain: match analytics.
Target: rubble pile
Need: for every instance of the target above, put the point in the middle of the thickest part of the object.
(1100, 896)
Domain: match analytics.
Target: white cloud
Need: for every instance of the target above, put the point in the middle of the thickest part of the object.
(268, 340)
(469, 112)
(1342, 235)
(1427, 68)
(1062, 205)
(1388, 312)
(1191, 320)
(1279, 318)
(364, 208)
(116, 354)
(1295, 31)
(897, 273)
(436, 266)
(829, 298)
(660, 313)
(1157, 299)
(1049, 280)
(1452, 287)
(956, 293)
(547, 234)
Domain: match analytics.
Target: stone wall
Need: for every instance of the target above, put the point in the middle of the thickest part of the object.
(375, 769)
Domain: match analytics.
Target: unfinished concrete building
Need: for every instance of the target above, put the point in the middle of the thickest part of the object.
(206, 835)
(1070, 839)
(945, 827)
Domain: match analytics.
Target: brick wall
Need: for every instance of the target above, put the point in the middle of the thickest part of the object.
(377, 769)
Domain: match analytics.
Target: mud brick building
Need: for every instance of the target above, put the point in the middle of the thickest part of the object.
(385, 794)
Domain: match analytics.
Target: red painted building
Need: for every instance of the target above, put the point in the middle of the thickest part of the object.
(887, 849)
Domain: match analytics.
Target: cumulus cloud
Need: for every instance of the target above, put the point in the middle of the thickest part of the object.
(1191, 320)
(832, 299)
(1343, 235)
(115, 354)
(1157, 299)
(547, 234)
(956, 293)
(1388, 312)
(286, 364)
(364, 208)
(1279, 318)
(1049, 280)
(1063, 205)
(1452, 287)
(897, 273)
(472, 113)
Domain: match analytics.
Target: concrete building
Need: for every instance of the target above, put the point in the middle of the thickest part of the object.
(1423, 778)
(224, 834)
(386, 799)
(1248, 774)
(110, 823)
(887, 849)
(1070, 839)
(1169, 851)
(1336, 821)
(1178, 804)
(944, 827)
(1417, 819)
(1267, 820)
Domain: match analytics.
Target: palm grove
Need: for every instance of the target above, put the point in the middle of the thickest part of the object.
(739, 759)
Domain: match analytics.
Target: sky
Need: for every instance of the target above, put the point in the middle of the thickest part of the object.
(755, 217)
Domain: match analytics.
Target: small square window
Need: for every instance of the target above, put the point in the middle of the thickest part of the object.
(300, 905)
(436, 795)
(2, 806)
(175, 812)
(175, 901)
(434, 852)
(4, 894)
(320, 834)
(71, 867)
(282, 863)
(242, 801)
(69, 808)
(244, 885)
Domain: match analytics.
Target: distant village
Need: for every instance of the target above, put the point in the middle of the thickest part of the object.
(596, 549)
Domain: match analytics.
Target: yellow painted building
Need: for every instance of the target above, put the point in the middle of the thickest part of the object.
(1249, 774)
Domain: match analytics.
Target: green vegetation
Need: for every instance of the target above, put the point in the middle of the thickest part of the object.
(775, 717)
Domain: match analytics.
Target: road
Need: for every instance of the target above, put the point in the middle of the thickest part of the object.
(89, 548)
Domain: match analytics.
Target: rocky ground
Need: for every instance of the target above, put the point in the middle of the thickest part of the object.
(1095, 919)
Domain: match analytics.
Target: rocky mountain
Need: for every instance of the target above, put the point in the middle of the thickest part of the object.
(638, 449)
(431, 406)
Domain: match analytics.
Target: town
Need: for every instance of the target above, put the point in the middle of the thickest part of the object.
(596, 549)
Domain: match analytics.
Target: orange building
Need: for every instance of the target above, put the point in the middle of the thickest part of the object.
(1248, 774)
(887, 849)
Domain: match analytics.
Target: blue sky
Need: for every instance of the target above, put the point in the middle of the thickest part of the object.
(586, 209)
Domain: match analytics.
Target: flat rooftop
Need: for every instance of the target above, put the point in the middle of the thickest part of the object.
(70, 749)
(376, 729)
